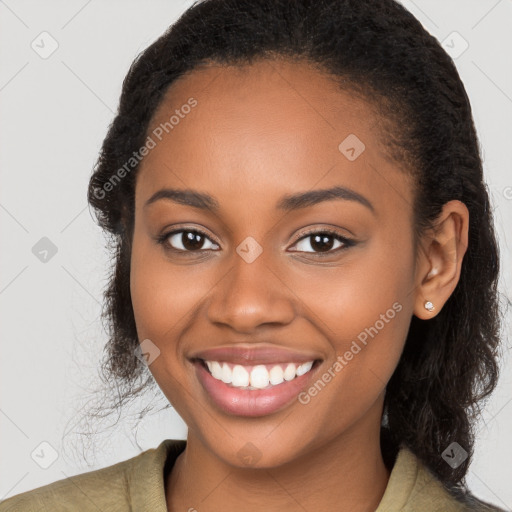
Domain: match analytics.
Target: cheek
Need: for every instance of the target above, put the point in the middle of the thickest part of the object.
(162, 294)
(162, 299)
(364, 309)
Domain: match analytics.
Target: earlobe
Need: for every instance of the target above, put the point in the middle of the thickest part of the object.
(425, 309)
(429, 306)
(443, 249)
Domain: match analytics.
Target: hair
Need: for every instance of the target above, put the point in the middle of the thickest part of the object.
(380, 51)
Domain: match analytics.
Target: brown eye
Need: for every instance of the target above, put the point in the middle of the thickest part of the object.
(323, 242)
(187, 240)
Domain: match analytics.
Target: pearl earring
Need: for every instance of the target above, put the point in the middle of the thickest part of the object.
(429, 306)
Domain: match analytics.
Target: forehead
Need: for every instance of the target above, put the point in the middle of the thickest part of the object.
(266, 98)
(271, 125)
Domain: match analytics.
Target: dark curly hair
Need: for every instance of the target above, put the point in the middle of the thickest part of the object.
(380, 51)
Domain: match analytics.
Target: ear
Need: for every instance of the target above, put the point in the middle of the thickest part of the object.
(439, 259)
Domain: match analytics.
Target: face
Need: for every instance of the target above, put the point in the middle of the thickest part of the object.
(269, 269)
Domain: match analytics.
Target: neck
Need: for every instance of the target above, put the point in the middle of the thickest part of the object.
(345, 474)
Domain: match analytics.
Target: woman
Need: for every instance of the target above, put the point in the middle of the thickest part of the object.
(306, 264)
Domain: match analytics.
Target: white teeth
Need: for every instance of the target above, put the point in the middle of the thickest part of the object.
(259, 377)
(304, 368)
(240, 376)
(227, 374)
(216, 370)
(276, 375)
(289, 372)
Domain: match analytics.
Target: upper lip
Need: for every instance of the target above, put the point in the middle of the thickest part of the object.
(253, 355)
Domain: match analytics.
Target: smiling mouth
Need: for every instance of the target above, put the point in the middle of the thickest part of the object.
(256, 377)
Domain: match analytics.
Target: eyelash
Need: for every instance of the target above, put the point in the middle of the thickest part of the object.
(163, 240)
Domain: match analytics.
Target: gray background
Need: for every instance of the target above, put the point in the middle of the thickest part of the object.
(54, 116)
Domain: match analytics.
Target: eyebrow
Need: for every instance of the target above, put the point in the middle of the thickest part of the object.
(287, 203)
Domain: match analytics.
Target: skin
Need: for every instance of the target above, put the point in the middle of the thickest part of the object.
(258, 133)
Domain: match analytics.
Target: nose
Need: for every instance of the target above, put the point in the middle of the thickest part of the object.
(251, 295)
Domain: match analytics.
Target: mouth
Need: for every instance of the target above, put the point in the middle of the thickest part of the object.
(261, 376)
(253, 390)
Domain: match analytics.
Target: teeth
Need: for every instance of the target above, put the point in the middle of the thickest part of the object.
(290, 371)
(216, 369)
(276, 375)
(227, 374)
(257, 377)
(304, 368)
(240, 376)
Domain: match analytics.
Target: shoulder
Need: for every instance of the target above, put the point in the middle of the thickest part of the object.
(92, 490)
(107, 489)
(412, 487)
(87, 489)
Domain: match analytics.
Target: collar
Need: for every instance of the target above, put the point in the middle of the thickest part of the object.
(411, 485)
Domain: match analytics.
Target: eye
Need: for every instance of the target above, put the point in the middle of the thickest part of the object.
(193, 240)
(186, 240)
(322, 242)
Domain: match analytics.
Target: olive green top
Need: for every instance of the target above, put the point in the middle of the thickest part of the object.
(137, 485)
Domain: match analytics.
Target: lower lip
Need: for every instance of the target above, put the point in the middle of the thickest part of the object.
(251, 402)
